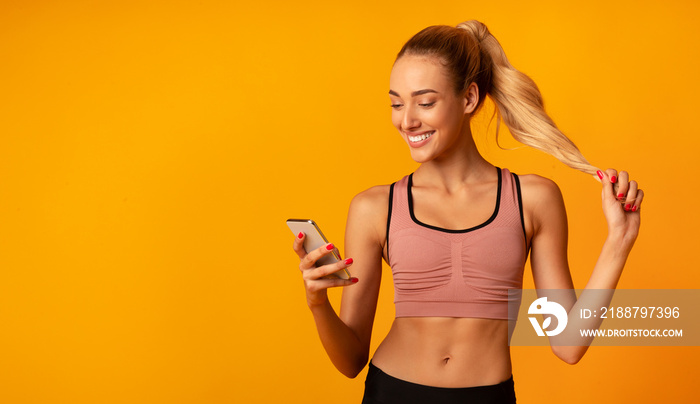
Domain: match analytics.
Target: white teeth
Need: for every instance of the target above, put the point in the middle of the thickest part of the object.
(420, 137)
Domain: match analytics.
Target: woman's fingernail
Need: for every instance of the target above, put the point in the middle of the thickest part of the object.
(348, 261)
(634, 208)
(627, 207)
(600, 174)
(620, 196)
(354, 280)
(329, 247)
(613, 179)
(300, 235)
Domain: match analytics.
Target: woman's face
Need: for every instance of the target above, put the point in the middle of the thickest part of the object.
(430, 117)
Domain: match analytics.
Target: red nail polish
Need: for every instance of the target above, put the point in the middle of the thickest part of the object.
(348, 261)
(627, 207)
(634, 208)
(300, 235)
(354, 280)
(329, 247)
(620, 196)
(600, 174)
(613, 179)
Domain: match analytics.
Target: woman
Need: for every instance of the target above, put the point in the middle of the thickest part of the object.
(457, 231)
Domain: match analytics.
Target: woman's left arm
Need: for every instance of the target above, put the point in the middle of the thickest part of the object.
(546, 223)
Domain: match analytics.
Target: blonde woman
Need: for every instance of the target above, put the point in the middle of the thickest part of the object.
(457, 232)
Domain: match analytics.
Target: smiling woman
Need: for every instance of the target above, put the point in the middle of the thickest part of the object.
(453, 266)
(150, 151)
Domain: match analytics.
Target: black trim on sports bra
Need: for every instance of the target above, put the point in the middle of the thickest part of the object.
(388, 219)
(489, 220)
(520, 206)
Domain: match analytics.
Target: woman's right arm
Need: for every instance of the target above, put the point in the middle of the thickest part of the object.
(346, 337)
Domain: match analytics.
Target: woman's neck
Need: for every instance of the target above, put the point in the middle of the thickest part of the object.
(462, 165)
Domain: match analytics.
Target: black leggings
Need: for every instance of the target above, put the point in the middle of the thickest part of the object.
(380, 388)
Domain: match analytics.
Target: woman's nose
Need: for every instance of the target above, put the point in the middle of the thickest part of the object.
(410, 120)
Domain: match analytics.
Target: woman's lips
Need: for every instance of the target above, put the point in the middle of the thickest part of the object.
(419, 140)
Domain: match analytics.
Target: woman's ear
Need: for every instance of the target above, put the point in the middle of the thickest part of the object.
(471, 98)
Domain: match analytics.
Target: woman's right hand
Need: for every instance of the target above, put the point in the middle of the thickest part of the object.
(314, 282)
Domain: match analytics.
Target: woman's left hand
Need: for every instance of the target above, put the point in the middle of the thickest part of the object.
(622, 200)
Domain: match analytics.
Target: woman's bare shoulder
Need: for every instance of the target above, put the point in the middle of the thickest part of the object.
(372, 198)
(537, 189)
(371, 204)
(543, 204)
(369, 210)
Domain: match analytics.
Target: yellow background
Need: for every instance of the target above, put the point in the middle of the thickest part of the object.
(150, 153)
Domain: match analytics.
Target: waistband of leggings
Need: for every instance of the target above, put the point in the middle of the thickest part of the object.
(508, 383)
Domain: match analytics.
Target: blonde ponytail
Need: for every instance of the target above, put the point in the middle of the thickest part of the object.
(472, 54)
(519, 103)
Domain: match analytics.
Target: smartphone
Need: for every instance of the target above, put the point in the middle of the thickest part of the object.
(315, 239)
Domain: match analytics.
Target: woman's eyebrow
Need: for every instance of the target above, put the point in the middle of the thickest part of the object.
(415, 93)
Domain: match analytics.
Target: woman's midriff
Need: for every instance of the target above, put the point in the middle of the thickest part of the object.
(446, 352)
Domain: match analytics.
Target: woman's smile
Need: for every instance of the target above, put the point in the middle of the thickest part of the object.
(418, 140)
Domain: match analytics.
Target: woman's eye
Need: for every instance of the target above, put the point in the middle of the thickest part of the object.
(396, 106)
(430, 104)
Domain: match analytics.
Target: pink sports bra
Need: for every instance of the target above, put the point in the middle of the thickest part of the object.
(457, 273)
